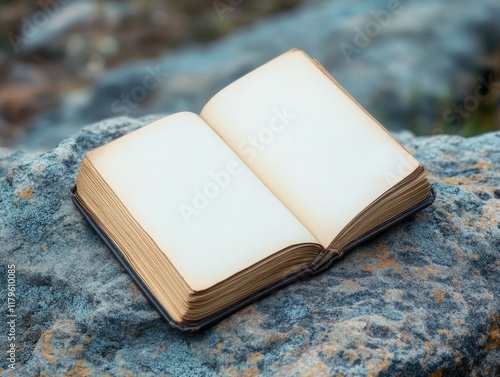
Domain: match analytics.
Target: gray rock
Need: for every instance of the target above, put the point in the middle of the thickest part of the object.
(421, 299)
(41, 28)
(45, 29)
(425, 55)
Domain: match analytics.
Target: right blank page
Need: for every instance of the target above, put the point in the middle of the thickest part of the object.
(309, 142)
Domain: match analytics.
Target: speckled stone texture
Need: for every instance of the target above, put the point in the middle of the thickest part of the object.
(421, 299)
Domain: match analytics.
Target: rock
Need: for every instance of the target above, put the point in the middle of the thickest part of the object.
(421, 299)
(421, 59)
(46, 29)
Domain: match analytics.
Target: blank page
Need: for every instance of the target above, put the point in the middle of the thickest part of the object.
(312, 145)
(195, 198)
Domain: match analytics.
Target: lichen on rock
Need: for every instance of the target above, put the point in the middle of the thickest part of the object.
(421, 298)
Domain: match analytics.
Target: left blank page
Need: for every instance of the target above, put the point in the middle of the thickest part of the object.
(201, 205)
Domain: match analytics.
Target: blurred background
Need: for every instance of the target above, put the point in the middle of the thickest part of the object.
(427, 66)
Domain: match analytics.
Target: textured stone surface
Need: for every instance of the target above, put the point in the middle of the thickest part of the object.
(421, 299)
(424, 58)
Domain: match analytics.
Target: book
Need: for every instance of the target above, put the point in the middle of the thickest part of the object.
(279, 175)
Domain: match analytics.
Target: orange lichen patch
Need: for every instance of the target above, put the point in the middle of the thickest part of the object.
(459, 328)
(60, 351)
(427, 271)
(78, 349)
(428, 347)
(230, 371)
(330, 349)
(438, 373)
(310, 365)
(481, 165)
(456, 181)
(319, 369)
(126, 373)
(448, 333)
(394, 294)
(485, 373)
(374, 368)
(252, 372)
(493, 341)
(26, 193)
(433, 270)
(256, 357)
(219, 345)
(352, 355)
(490, 216)
(46, 346)
(384, 261)
(439, 296)
(274, 337)
(78, 371)
(382, 246)
(424, 273)
(405, 338)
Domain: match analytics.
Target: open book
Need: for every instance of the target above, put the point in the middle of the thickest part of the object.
(280, 174)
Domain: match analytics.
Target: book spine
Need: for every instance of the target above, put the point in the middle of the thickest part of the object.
(323, 260)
